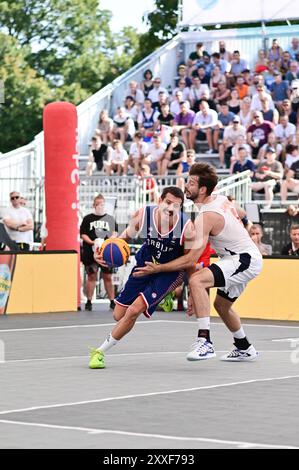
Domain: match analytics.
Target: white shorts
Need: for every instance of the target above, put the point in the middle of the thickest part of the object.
(232, 273)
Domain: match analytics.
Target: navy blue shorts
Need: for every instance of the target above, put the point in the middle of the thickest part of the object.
(152, 288)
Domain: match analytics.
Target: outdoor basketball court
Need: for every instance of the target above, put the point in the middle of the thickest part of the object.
(149, 396)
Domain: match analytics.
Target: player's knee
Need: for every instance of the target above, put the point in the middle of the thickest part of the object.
(196, 281)
(132, 313)
(118, 314)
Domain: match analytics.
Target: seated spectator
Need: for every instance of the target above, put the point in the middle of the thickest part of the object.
(205, 127)
(241, 142)
(105, 127)
(245, 112)
(285, 62)
(241, 87)
(275, 52)
(292, 248)
(165, 118)
(216, 77)
(224, 54)
(291, 183)
(132, 109)
(279, 90)
(269, 75)
(197, 90)
(221, 94)
(267, 177)
(225, 66)
(271, 142)
(248, 79)
(237, 64)
(182, 87)
(147, 119)
(183, 75)
(208, 65)
(147, 83)
(292, 155)
(211, 103)
(293, 73)
(154, 93)
(150, 188)
(97, 154)
(230, 138)
(138, 153)
(225, 117)
(257, 82)
(117, 159)
(294, 48)
(286, 110)
(292, 210)
(175, 107)
(204, 77)
(284, 131)
(234, 104)
(155, 154)
(269, 115)
(243, 163)
(256, 102)
(183, 123)
(196, 57)
(184, 167)
(262, 62)
(123, 128)
(257, 133)
(294, 97)
(174, 155)
(256, 234)
(135, 92)
(163, 99)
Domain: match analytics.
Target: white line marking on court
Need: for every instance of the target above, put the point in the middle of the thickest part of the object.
(152, 394)
(286, 340)
(60, 358)
(93, 431)
(266, 325)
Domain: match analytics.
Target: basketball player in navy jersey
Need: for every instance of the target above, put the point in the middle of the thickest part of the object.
(165, 230)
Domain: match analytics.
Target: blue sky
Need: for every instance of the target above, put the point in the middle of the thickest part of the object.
(127, 12)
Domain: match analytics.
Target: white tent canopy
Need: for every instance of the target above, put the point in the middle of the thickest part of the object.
(205, 12)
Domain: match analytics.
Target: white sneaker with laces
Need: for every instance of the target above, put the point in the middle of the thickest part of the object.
(238, 355)
(200, 350)
(210, 152)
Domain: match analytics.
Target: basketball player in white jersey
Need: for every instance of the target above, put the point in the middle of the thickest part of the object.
(240, 262)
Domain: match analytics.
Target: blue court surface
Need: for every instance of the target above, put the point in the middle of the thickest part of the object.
(149, 396)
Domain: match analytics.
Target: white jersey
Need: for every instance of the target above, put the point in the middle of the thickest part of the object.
(234, 238)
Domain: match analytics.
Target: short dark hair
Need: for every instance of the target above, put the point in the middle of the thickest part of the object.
(294, 227)
(207, 176)
(175, 191)
(216, 55)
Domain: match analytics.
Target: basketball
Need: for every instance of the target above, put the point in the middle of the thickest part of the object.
(115, 252)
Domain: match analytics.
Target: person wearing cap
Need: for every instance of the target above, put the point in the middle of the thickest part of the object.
(279, 90)
(285, 131)
(230, 138)
(267, 178)
(183, 75)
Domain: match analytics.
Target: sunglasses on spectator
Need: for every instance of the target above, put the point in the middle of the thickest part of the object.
(257, 117)
(14, 197)
(156, 81)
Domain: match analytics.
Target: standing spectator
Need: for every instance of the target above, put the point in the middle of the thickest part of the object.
(230, 138)
(294, 48)
(243, 163)
(97, 154)
(291, 182)
(124, 128)
(155, 153)
(286, 110)
(234, 104)
(93, 226)
(224, 53)
(138, 153)
(279, 90)
(196, 91)
(245, 112)
(257, 133)
(262, 62)
(241, 87)
(154, 93)
(293, 73)
(147, 118)
(117, 159)
(147, 83)
(18, 222)
(237, 64)
(205, 126)
(292, 248)
(174, 155)
(105, 127)
(268, 174)
(256, 234)
(271, 142)
(275, 52)
(285, 131)
(183, 123)
(135, 92)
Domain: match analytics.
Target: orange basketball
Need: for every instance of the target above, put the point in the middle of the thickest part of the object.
(115, 252)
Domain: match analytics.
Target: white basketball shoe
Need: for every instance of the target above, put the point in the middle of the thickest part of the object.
(238, 355)
(200, 350)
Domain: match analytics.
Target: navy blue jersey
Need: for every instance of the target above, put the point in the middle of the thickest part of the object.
(160, 248)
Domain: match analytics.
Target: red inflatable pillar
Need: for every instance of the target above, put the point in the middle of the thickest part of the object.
(62, 179)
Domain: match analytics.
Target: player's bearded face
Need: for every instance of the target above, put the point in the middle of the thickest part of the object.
(191, 188)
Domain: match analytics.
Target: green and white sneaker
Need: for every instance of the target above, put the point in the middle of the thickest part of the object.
(97, 359)
(167, 303)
